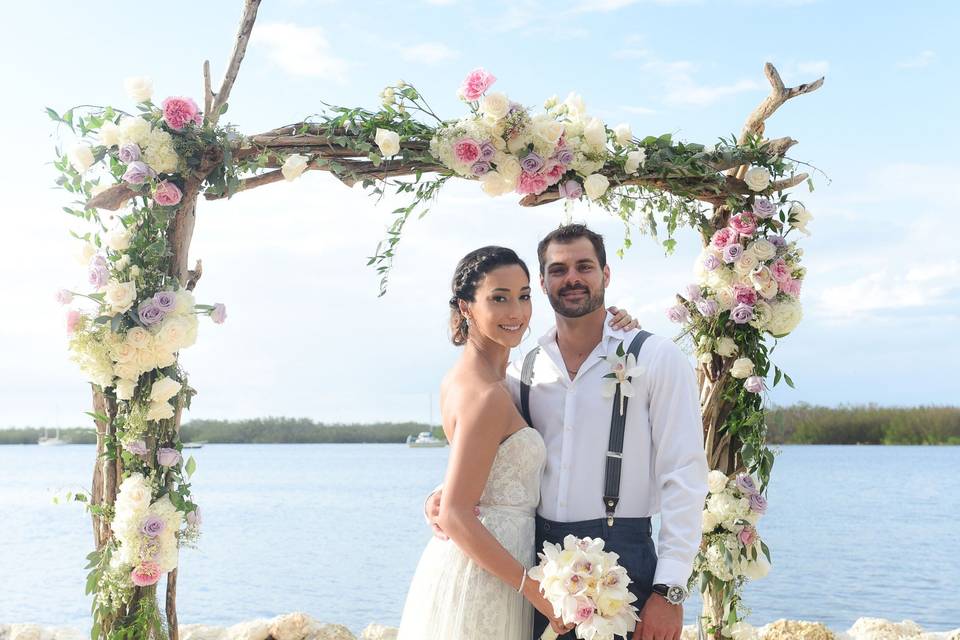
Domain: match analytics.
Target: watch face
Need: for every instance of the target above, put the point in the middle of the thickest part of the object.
(676, 594)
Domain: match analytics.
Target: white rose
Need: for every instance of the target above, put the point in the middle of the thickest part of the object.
(635, 159)
(388, 141)
(81, 157)
(120, 295)
(746, 263)
(720, 278)
(139, 88)
(705, 358)
(185, 302)
(109, 134)
(596, 185)
(124, 352)
(125, 389)
(756, 569)
(623, 134)
(757, 178)
(294, 166)
(508, 167)
(138, 337)
(86, 253)
(128, 370)
(495, 105)
(595, 133)
(725, 297)
(762, 249)
(726, 347)
(769, 288)
(709, 522)
(548, 130)
(742, 368)
(145, 361)
(494, 184)
(159, 411)
(799, 217)
(784, 317)
(551, 102)
(172, 334)
(518, 143)
(716, 481)
(163, 389)
(136, 130)
(122, 263)
(761, 314)
(574, 104)
(119, 239)
(162, 356)
(742, 631)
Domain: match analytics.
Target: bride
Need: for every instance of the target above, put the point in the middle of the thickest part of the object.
(475, 585)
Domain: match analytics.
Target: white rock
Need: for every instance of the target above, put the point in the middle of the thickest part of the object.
(332, 632)
(378, 632)
(29, 632)
(202, 632)
(251, 630)
(880, 629)
(68, 633)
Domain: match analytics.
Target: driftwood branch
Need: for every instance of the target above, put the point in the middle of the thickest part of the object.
(207, 90)
(233, 68)
(778, 95)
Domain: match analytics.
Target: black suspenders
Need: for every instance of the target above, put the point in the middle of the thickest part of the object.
(618, 421)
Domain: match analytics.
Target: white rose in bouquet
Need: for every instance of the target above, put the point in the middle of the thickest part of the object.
(120, 295)
(726, 347)
(595, 133)
(81, 157)
(596, 185)
(495, 105)
(757, 178)
(623, 134)
(716, 481)
(109, 134)
(635, 159)
(742, 368)
(159, 411)
(784, 317)
(139, 88)
(163, 389)
(388, 142)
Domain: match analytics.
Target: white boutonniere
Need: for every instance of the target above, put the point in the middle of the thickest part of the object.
(623, 366)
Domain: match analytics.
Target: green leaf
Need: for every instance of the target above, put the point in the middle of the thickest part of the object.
(810, 184)
(766, 551)
(777, 375)
(53, 115)
(223, 109)
(191, 466)
(787, 379)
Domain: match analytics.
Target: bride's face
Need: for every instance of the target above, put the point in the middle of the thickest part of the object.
(501, 308)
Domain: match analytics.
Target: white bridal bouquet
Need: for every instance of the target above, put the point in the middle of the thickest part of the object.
(587, 587)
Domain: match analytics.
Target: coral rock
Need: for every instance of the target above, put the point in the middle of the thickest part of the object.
(378, 632)
(795, 630)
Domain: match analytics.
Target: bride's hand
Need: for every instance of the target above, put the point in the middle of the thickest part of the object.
(531, 591)
(622, 319)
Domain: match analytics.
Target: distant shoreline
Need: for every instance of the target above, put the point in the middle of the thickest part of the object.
(798, 424)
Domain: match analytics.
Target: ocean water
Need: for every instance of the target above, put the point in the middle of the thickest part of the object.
(336, 531)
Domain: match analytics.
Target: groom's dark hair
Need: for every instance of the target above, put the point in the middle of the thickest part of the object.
(566, 234)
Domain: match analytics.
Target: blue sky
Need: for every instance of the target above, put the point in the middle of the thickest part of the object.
(306, 333)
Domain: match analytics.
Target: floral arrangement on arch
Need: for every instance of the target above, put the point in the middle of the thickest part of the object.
(127, 338)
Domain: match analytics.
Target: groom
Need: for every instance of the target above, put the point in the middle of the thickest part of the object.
(605, 485)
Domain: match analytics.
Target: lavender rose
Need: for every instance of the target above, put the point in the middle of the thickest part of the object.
(149, 313)
(746, 484)
(166, 301)
(707, 307)
(219, 313)
(764, 208)
(564, 156)
(532, 162)
(168, 457)
(152, 526)
(137, 447)
(742, 313)
(711, 262)
(193, 517)
(487, 151)
(777, 241)
(129, 153)
(98, 276)
(731, 252)
(138, 172)
(691, 292)
(753, 384)
(64, 296)
(758, 504)
(571, 189)
(678, 313)
(480, 168)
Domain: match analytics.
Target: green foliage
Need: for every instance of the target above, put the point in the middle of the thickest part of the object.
(869, 424)
(296, 430)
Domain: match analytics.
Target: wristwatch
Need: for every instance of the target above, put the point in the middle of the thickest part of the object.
(672, 593)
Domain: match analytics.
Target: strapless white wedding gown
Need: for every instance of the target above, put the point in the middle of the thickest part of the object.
(453, 598)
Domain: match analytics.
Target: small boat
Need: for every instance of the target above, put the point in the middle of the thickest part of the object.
(425, 439)
(50, 441)
(194, 445)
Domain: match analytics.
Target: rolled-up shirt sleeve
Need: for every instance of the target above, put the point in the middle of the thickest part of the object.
(680, 464)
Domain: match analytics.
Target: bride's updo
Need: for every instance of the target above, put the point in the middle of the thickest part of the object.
(470, 272)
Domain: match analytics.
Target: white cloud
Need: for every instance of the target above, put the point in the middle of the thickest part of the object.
(683, 90)
(300, 51)
(919, 61)
(606, 6)
(429, 53)
(923, 287)
(640, 111)
(441, 3)
(814, 67)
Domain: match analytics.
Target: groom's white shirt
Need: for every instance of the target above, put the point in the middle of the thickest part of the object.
(664, 465)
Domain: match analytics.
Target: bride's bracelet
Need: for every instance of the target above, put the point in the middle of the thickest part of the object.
(522, 581)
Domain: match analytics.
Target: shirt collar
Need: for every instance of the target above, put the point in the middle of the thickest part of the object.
(609, 334)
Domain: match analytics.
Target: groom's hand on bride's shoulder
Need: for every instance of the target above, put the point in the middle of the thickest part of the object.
(659, 620)
(622, 320)
(431, 511)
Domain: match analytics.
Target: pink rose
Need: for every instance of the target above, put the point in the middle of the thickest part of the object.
(177, 112)
(724, 237)
(167, 194)
(554, 171)
(73, 319)
(584, 610)
(145, 574)
(744, 223)
(747, 536)
(467, 150)
(531, 183)
(744, 294)
(791, 287)
(476, 83)
(779, 270)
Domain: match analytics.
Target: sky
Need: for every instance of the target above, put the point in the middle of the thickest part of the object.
(307, 334)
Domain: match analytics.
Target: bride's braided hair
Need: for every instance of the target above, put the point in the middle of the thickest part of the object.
(468, 275)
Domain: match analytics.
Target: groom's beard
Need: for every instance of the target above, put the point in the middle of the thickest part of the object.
(570, 309)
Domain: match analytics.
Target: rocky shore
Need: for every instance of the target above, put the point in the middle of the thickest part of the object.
(300, 626)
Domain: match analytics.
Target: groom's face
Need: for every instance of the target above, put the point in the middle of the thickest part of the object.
(573, 279)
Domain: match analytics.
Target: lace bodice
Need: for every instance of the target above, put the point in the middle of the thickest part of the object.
(514, 480)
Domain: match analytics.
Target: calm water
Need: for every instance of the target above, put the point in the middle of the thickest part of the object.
(336, 531)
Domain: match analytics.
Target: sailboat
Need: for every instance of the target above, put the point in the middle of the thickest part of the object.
(48, 441)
